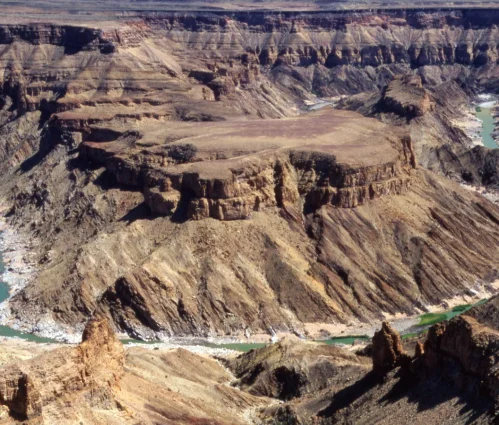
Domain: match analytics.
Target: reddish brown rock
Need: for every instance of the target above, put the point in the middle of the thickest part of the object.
(468, 348)
(90, 370)
(419, 350)
(406, 96)
(19, 393)
(387, 350)
(292, 368)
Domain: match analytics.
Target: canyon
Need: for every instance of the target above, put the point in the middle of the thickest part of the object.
(164, 172)
(252, 171)
(447, 376)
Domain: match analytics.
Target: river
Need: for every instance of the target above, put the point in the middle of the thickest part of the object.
(236, 346)
(484, 114)
(6, 330)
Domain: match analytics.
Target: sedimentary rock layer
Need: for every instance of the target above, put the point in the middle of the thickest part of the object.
(451, 380)
(229, 170)
(99, 382)
(138, 161)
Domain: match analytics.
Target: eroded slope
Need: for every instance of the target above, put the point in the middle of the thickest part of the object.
(154, 193)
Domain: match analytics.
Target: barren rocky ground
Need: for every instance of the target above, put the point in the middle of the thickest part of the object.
(450, 377)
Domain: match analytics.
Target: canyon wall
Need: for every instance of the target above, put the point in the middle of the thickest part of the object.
(155, 164)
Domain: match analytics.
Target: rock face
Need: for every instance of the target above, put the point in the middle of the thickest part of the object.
(20, 395)
(362, 38)
(452, 381)
(292, 368)
(468, 346)
(387, 350)
(283, 165)
(89, 371)
(98, 383)
(405, 96)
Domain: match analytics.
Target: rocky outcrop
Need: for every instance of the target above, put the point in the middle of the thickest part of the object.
(387, 350)
(90, 371)
(97, 383)
(186, 178)
(228, 277)
(453, 380)
(405, 96)
(101, 354)
(292, 368)
(467, 347)
(20, 394)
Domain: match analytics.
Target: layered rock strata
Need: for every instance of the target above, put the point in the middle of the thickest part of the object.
(308, 162)
(88, 372)
(292, 368)
(453, 380)
(117, 160)
(317, 194)
(98, 382)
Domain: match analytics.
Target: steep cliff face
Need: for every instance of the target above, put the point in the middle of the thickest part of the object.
(98, 382)
(361, 38)
(87, 374)
(387, 349)
(334, 53)
(302, 162)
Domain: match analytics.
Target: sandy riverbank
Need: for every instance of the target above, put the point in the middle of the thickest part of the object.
(470, 123)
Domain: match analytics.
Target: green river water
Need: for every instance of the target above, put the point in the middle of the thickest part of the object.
(5, 330)
(426, 319)
(243, 347)
(484, 114)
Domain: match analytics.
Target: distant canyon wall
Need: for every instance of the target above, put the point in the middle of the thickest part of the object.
(383, 37)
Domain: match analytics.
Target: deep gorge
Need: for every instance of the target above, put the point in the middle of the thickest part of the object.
(128, 138)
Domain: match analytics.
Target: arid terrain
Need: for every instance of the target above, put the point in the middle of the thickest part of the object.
(448, 377)
(110, 7)
(247, 170)
(165, 172)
